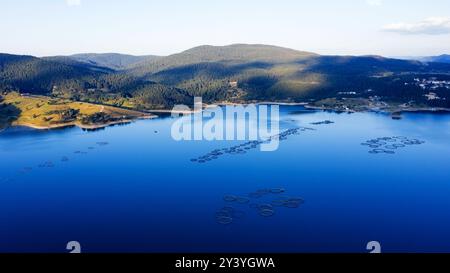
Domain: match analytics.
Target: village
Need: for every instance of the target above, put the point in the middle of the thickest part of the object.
(430, 84)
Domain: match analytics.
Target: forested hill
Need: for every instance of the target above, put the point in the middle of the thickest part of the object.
(234, 73)
(81, 81)
(274, 73)
(112, 61)
(35, 75)
(237, 53)
(445, 58)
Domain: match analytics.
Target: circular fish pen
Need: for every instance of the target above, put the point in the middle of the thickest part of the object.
(224, 220)
(277, 190)
(387, 145)
(267, 212)
(230, 198)
(265, 207)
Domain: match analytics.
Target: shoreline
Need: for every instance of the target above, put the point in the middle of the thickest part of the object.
(387, 110)
(151, 114)
(312, 107)
(79, 125)
(262, 103)
(25, 113)
(148, 114)
(427, 110)
(172, 112)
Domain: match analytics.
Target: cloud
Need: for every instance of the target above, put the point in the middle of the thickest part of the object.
(429, 26)
(72, 3)
(374, 2)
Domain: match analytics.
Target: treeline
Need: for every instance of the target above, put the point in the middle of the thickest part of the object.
(32, 75)
(238, 53)
(261, 73)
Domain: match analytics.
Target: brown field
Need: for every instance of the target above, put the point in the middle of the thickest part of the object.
(44, 112)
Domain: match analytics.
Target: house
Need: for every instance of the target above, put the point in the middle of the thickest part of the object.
(432, 96)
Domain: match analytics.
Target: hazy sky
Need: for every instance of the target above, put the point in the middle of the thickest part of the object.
(384, 27)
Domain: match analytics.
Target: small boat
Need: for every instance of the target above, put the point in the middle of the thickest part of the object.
(396, 116)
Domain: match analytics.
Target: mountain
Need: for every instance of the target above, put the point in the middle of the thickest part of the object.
(445, 58)
(35, 75)
(276, 73)
(85, 82)
(238, 73)
(438, 59)
(237, 53)
(112, 61)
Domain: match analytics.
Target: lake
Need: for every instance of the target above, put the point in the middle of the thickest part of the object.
(133, 188)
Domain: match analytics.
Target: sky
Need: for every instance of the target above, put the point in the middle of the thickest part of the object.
(149, 27)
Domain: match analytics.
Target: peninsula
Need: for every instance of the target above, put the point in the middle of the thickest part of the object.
(41, 112)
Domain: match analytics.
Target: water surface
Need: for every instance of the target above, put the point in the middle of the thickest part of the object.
(133, 188)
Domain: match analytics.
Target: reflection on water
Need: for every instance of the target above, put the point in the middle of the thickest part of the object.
(133, 188)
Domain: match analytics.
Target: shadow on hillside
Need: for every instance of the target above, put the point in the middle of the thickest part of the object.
(8, 114)
(206, 70)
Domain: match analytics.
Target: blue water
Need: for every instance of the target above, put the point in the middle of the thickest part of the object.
(141, 192)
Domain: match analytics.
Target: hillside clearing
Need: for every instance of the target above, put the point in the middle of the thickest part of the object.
(42, 112)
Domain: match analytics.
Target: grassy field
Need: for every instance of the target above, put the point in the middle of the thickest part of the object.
(45, 112)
